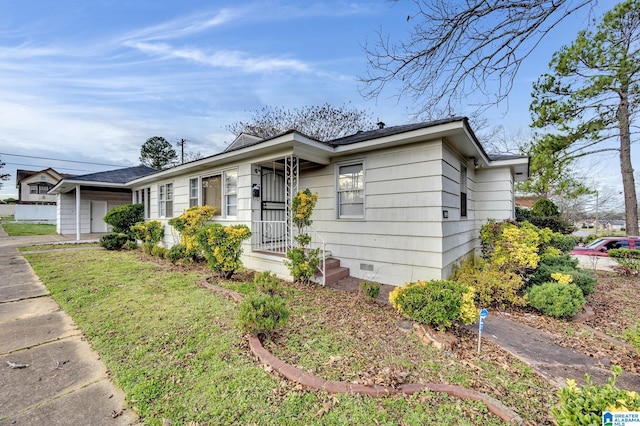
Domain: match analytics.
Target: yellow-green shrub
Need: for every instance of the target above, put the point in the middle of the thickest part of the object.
(492, 286)
(189, 223)
(222, 247)
(150, 233)
(584, 405)
(436, 303)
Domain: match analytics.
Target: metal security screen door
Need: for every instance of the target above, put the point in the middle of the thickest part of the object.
(273, 206)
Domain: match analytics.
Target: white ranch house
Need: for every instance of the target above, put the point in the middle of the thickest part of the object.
(395, 204)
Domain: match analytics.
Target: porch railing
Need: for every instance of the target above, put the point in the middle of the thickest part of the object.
(272, 236)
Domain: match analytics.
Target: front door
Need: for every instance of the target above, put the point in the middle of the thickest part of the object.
(273, 206)
(98, 211)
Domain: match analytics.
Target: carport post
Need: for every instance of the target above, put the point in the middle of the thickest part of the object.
(77, 212)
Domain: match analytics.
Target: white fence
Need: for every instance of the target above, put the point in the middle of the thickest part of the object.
(35, 213)
(7, 209)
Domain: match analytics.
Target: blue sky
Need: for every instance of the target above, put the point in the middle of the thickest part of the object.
(92, 80)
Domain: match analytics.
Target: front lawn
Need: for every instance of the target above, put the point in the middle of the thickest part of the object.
(178, 354)
(27, 229)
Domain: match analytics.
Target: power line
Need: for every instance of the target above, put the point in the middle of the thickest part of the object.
(34, 165)
(58, 159)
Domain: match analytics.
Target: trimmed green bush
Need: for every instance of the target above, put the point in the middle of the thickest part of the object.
(436, 303)
(556, 300)
(267, 283)
(370, 290)
(123, 217)
(261, 314)
(130, 245)
(113, 241)
(158, 251)
(584, 405)
(564, 264)
(629, 260)
(177, 252)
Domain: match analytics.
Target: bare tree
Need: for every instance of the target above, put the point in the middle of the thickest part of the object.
(456, 48)
(324, 122)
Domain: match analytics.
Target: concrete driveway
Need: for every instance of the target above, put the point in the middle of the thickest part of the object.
(49, 374)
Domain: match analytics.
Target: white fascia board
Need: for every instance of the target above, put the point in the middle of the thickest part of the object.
(518, 165)
(294, 143)
(65, 186)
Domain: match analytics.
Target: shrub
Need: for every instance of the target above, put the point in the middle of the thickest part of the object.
(189, 223)
(123, 217)
(158, 251)
(564, 264)
(113, 241)
(493, 287)
(266, 283)
(544, 207)
(436, 303)
(261, 314)
(370, 290)
(302, 263)
(130, 245)
(629, 260)
(511, 247)
(584, 405)
(556, 300)
(222, 247)
(150, 233)
(176, 252)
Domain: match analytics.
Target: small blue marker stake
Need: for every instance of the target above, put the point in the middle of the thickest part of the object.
(483, 314)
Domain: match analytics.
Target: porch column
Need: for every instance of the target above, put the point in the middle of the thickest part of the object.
(291, 190)
(77, 212)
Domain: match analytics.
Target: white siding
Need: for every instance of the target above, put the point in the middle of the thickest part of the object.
(66, 209)
(400, 236)
(494, 194)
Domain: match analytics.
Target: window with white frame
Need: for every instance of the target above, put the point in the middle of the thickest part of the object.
(193, 192)
(220, 191)
(143, 196)
(165, 200)
(231, 192)
(463, 190)
(350, 186)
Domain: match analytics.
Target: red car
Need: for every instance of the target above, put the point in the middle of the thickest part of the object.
(601, 246)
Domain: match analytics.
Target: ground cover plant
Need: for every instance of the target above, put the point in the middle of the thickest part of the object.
(178, 353)
(16, 229)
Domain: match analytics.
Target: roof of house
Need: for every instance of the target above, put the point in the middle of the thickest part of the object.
(116, 176)
(22, 174)
(109, 178)
(388, 131)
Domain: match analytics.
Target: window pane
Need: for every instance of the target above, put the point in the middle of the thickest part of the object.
(169, 209)
(351, 177)
(351, 203)
(169, 191)
(212, 193)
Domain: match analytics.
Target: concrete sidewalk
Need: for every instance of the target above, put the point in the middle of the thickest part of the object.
(64, 381)
(556, 363)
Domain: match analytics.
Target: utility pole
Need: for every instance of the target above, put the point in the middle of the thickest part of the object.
(181, 144)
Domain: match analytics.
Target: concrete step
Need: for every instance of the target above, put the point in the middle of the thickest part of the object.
(333, 271)
(334, 275)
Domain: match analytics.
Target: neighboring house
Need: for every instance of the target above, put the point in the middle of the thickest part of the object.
(33, 186)
(84, 200)
(395, 204)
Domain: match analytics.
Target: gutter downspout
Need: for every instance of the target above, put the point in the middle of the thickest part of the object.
(77, 212)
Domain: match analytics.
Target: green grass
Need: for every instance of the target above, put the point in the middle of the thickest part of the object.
(41, 247)
(27, 229)
(178, 354)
